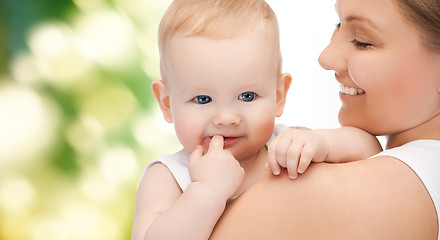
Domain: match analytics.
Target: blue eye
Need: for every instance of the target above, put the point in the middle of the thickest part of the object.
(247, 96)
(203, 99)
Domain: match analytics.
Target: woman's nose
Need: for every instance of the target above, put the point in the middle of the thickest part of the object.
(333, 57)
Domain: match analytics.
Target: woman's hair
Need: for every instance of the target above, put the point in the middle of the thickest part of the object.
(218, 19)
(425, 14)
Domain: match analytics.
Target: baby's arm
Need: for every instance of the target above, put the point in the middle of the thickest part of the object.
(164, 212)
(348, 144)
(296, 148)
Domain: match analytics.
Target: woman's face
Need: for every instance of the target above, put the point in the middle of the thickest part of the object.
(390, 81)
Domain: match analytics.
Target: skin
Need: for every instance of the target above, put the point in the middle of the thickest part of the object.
(223, 70)
(400, 98)
(296, 148)
(223, 96)
(393, 95)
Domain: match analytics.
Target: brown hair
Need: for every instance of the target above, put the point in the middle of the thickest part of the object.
(425, 14)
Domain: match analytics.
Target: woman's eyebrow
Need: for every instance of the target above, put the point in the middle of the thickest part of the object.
(353, 18)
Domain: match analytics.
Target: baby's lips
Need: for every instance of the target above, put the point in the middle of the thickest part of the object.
(207, 141)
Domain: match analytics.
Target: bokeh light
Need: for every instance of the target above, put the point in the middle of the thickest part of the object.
(75, 113)
(119, 165)
(27, 125)
(58, 54)
(85, 135)
(88, 4)
(86, 222)
(112, 106)
(24, 69)
(17, 195)
(110, 36)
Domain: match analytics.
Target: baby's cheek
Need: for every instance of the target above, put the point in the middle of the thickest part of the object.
(264, 128)
(186, 135)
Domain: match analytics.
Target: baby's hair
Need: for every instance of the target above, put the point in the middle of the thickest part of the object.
(215, 18)
(218, 19)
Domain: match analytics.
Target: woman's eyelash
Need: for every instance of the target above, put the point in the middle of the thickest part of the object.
(356, 43)
(361, 45)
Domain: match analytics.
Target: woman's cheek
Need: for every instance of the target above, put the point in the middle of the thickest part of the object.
(362, 70)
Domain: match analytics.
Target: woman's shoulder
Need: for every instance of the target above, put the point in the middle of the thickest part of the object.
(378, 198)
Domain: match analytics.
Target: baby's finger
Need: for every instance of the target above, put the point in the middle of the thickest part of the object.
(281, 152)
(306, 158)
(216, 143)
(271, 149)
(293, 156)
(196, 154)
(273, 166)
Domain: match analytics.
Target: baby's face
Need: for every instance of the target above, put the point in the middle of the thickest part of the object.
(223, 87)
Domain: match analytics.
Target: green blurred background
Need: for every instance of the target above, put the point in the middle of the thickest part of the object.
(78, 122)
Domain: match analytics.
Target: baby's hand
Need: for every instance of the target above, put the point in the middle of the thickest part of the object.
(217, 169)
(295, 149)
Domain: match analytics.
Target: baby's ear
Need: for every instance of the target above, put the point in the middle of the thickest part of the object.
(160, 92)
(283, 85)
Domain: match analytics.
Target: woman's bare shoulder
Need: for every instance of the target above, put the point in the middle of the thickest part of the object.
(379, 198)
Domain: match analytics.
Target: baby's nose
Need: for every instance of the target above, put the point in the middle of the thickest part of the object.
(227, 118)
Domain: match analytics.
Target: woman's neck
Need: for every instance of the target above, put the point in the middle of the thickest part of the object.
(427, 130)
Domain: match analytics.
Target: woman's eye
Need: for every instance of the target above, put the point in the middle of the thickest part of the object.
(203, 99)
(360, 45)
(247, 96)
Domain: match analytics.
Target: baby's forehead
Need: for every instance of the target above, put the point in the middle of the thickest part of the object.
(216, 79)
(197, 56)
(251, 44)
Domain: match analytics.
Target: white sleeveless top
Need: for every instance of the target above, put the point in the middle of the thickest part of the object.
(423, 157)
(177, 162)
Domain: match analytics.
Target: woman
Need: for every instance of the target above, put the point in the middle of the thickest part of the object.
(389, 52)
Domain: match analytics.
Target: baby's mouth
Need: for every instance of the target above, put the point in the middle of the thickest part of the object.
(351, 90)
(226, 140)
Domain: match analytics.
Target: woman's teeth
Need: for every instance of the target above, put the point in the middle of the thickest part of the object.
(351, 90)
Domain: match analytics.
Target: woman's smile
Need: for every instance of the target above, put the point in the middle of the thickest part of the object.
(351, 90)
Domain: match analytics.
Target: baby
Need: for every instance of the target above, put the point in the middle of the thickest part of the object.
(222, 87)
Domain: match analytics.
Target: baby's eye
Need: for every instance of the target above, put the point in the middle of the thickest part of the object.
(247, 96)
(203, 99)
